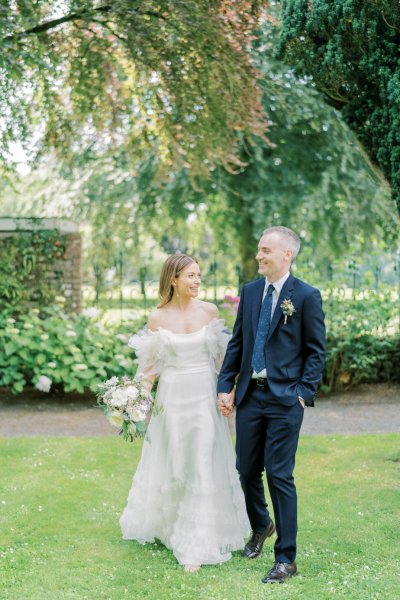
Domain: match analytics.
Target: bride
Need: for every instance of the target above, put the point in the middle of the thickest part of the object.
(186, 490)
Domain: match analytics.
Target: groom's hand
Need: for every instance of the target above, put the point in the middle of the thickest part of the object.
(225, 403)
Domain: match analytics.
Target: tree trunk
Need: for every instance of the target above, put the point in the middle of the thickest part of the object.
(247, 250)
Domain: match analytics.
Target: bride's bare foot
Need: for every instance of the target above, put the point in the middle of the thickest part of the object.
(191, 568)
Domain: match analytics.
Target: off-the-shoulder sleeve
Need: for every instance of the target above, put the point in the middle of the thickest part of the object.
(218, 338)
(149, 347)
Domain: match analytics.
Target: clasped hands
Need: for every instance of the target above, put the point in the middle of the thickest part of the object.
(225, 403)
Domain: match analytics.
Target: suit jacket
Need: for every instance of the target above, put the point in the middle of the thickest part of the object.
(294, 353)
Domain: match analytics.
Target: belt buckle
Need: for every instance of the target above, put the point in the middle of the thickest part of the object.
(261, 382)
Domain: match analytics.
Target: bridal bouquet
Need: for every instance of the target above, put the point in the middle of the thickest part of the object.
(126, 403)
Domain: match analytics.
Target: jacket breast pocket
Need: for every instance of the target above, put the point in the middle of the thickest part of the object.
(294, 372)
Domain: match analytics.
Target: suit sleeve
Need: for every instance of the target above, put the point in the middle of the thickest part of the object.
(233, 357)
(314, 347)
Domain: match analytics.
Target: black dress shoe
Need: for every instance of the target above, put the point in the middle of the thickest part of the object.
(280, 572)
(255, 544)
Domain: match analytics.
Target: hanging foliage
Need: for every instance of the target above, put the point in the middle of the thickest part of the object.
(171, 77)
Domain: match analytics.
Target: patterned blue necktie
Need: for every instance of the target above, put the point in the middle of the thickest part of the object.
(264, 321)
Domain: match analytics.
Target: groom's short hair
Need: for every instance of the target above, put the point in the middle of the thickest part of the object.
(290, 237)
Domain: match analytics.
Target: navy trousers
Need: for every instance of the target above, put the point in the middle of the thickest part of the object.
(267, 435)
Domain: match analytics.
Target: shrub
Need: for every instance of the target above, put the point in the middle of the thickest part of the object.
(74, 352)
(363, 344)
(77, 352)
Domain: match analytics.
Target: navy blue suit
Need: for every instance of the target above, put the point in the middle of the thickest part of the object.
(268, 420)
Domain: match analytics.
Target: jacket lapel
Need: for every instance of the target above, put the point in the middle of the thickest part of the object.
(256, 304)
(286, 293)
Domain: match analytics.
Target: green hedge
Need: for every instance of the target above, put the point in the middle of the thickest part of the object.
(73, 352)
(362, 359)
(77, 352)
(363, 342)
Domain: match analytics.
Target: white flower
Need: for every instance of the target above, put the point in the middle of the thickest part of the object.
(119, 399)
(70, 333)
(52, 365)
(115, 419)
(44, 337)
(124, 363)
(107, 396)
(28, 326)
(10, 320)
(60, 299)
(43, 384)
(80, 367)
(132, 392)
(111, 382)
(35, 311)
(135, 413)
(14, 330)
(91, 312)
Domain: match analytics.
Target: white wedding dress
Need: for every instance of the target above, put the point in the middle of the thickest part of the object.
(186, 491)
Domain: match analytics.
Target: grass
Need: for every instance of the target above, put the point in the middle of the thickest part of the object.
(60, 500)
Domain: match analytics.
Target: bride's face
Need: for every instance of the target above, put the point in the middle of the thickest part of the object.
(189, 281)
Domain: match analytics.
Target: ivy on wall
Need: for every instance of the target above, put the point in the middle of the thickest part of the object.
(28, 268)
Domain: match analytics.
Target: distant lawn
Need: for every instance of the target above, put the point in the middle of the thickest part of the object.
(60, 500)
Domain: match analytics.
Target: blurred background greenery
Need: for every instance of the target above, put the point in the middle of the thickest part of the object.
(194, 137)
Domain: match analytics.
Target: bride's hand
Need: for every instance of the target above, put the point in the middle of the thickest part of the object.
(225, 403)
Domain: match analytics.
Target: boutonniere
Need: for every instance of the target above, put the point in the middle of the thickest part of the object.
(288, 309)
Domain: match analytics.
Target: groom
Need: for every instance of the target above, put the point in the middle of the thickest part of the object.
(277, 351)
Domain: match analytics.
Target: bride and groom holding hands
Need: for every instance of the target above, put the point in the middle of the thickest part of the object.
(187, 491)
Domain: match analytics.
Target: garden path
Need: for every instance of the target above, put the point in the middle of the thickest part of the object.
(367, 409)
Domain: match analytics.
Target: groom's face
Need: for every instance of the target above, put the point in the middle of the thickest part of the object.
(273, 257)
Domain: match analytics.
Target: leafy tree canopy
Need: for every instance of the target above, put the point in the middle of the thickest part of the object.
(352, 50)
(172, 76)
(312, 175)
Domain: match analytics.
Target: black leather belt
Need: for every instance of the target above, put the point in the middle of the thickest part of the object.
(260, 382)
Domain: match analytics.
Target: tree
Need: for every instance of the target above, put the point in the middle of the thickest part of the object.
(352, 50)
(312, 175)
(173, 77)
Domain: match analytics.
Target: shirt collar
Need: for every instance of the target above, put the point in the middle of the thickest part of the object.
(278, 285)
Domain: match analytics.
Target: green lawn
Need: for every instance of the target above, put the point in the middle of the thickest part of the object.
(60, 500)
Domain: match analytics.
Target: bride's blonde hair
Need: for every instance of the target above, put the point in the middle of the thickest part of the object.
(171, 270)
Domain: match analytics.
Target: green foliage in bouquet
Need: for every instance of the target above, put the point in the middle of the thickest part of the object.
(70, 352)
(126, 403)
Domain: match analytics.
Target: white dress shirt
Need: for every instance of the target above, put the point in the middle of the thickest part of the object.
(278, 285)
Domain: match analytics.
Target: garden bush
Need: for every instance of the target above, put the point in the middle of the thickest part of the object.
(73, 353)
(363, 342)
